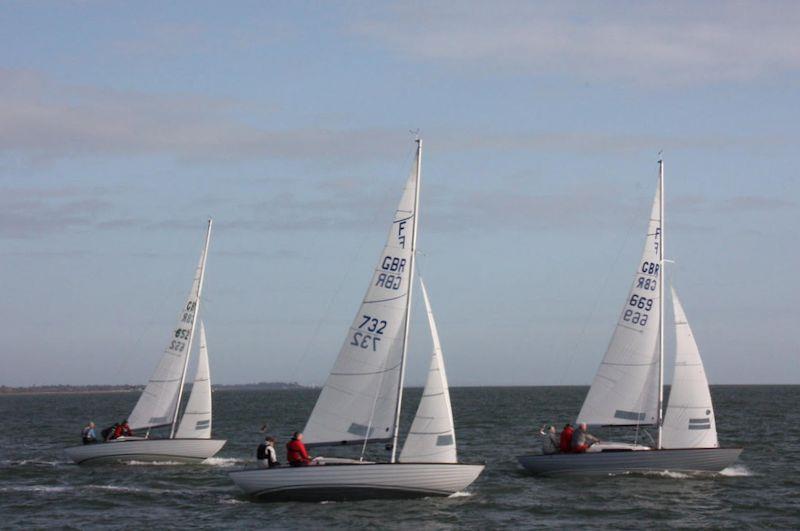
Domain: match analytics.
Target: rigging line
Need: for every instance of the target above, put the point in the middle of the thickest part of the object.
(626, 237)
(377, 212)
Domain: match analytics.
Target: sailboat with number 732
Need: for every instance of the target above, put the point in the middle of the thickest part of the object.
(360, 402)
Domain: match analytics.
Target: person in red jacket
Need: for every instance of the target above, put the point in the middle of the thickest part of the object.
(565, 443)
(296, 453)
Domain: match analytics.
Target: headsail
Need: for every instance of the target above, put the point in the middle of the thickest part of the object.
(360, 398)
(432, 438)
(625, 388)
(196, 420)
(158, 404)
(689, 420)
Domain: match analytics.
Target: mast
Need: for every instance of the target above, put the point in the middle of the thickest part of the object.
(661, 278)
(191, 337)
(408, 303)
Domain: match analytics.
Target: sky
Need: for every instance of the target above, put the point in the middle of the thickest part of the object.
(124, 126)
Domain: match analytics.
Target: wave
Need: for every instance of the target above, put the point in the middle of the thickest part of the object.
(223, 461)
(736, 471)
(36, 488)
(460, 494)
(153, 463)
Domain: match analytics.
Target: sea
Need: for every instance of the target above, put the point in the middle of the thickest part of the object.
(40, 488)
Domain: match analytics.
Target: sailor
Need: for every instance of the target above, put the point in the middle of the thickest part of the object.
(565, 442)
(126, 429)
(296, 452)
(550, 442)
(266, 453)
(582, 439)
(108, 433)
(88, 435)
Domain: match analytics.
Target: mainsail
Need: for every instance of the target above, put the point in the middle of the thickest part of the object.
(159, 402)
(360, 399)
(432, 438)
(625, 388)
(196, 420)
(689, 419)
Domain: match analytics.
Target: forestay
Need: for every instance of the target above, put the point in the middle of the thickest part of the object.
(159, 401)
(432, 437)
(625, 388)
(360, 397)
(689, 419)
(196, 420)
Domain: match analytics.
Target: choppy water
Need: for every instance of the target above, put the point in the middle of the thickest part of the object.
(40, 488)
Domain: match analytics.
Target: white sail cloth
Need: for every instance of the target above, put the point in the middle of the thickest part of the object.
(159, 401)
(359, 399)
(689, 420)
(432, 438)
(625, 389)
(196, 419)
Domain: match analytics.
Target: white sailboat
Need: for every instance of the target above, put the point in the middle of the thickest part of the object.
(158, 407)
(628, 387)
(360, 402)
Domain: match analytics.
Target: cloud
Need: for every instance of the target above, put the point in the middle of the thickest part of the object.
(650, 43)
(30, 212)
(44, 119)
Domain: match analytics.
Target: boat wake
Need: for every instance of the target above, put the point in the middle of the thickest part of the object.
(736, 471)
(153, 463)
(460, 494)
(223, 461)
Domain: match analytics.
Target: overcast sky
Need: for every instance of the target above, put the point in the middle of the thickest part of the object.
(125, 125)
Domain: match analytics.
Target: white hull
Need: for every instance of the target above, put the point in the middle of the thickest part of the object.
(179, 450)
(624, 462)
(356, 481)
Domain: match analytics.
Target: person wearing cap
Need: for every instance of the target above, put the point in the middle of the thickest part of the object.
(266, 453)
(550, 442)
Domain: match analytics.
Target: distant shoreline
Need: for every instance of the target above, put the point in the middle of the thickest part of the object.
(101, 389)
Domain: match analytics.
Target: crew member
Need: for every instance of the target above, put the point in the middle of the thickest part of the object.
(266, 453)
(88, 435)
(565, 442)
(296, 453)
(550, 442)
(582, 439)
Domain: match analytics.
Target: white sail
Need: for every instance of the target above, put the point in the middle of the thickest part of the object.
(196, 419)
(360, 398)
(158, 404)
(432, 438)
(625, 389)
(689, 419)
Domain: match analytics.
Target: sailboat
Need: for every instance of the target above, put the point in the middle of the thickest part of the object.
(190, 439)
(628, 389)
(361, 401)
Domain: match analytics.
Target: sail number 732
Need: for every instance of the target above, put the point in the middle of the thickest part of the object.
(363, 339)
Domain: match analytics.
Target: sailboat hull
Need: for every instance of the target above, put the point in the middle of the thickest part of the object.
(150, 450)
(356, 481)
(625, 462)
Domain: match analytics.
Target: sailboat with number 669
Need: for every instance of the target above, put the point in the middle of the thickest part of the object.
(190, 439)
(627, 390)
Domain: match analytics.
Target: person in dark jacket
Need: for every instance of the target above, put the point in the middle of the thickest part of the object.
(296, 453)
(565, 442)
(266, 453)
